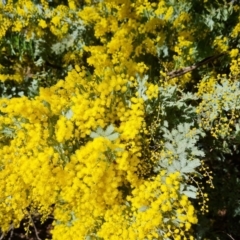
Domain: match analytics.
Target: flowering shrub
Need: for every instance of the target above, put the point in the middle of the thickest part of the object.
(97, 126)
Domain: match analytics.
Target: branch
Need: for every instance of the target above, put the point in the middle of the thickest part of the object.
(11, 233)
(177, 73)
(35, 229)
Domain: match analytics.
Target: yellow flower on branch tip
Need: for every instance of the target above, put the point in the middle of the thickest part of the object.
(42, 23)
(56, 20)
(234, 53)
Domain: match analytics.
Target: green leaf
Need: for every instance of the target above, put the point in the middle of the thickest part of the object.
(177, 165)
(169, 146)
(94, 135)
(109, 130)
(143, 209)
(190, 194)
(183, 161)
(100, 132)
(165, 124)
(194, 163)
(113, 136)
(69, 114)
(191, 166)
(46, 104)
(9, 132)
(165, 220)
(191, 188)
(107, 134)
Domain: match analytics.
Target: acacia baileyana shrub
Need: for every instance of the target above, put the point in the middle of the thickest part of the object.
(104, 124)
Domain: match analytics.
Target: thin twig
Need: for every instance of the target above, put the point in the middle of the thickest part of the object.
(35, 229)
(4, 233)
(230, 236)
(11, 234)
(177, 73)
(2, 236)
(227, 234)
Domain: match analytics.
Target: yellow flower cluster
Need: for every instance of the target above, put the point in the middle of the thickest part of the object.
(221, 44)
(235, 67)
(234, 52)
(148, 209)
(152, 91)
(218, 109)
(5, 24)
(15, 77)
(236, 31)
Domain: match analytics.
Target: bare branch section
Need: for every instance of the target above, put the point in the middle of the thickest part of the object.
(182, 71)
(35, 229)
